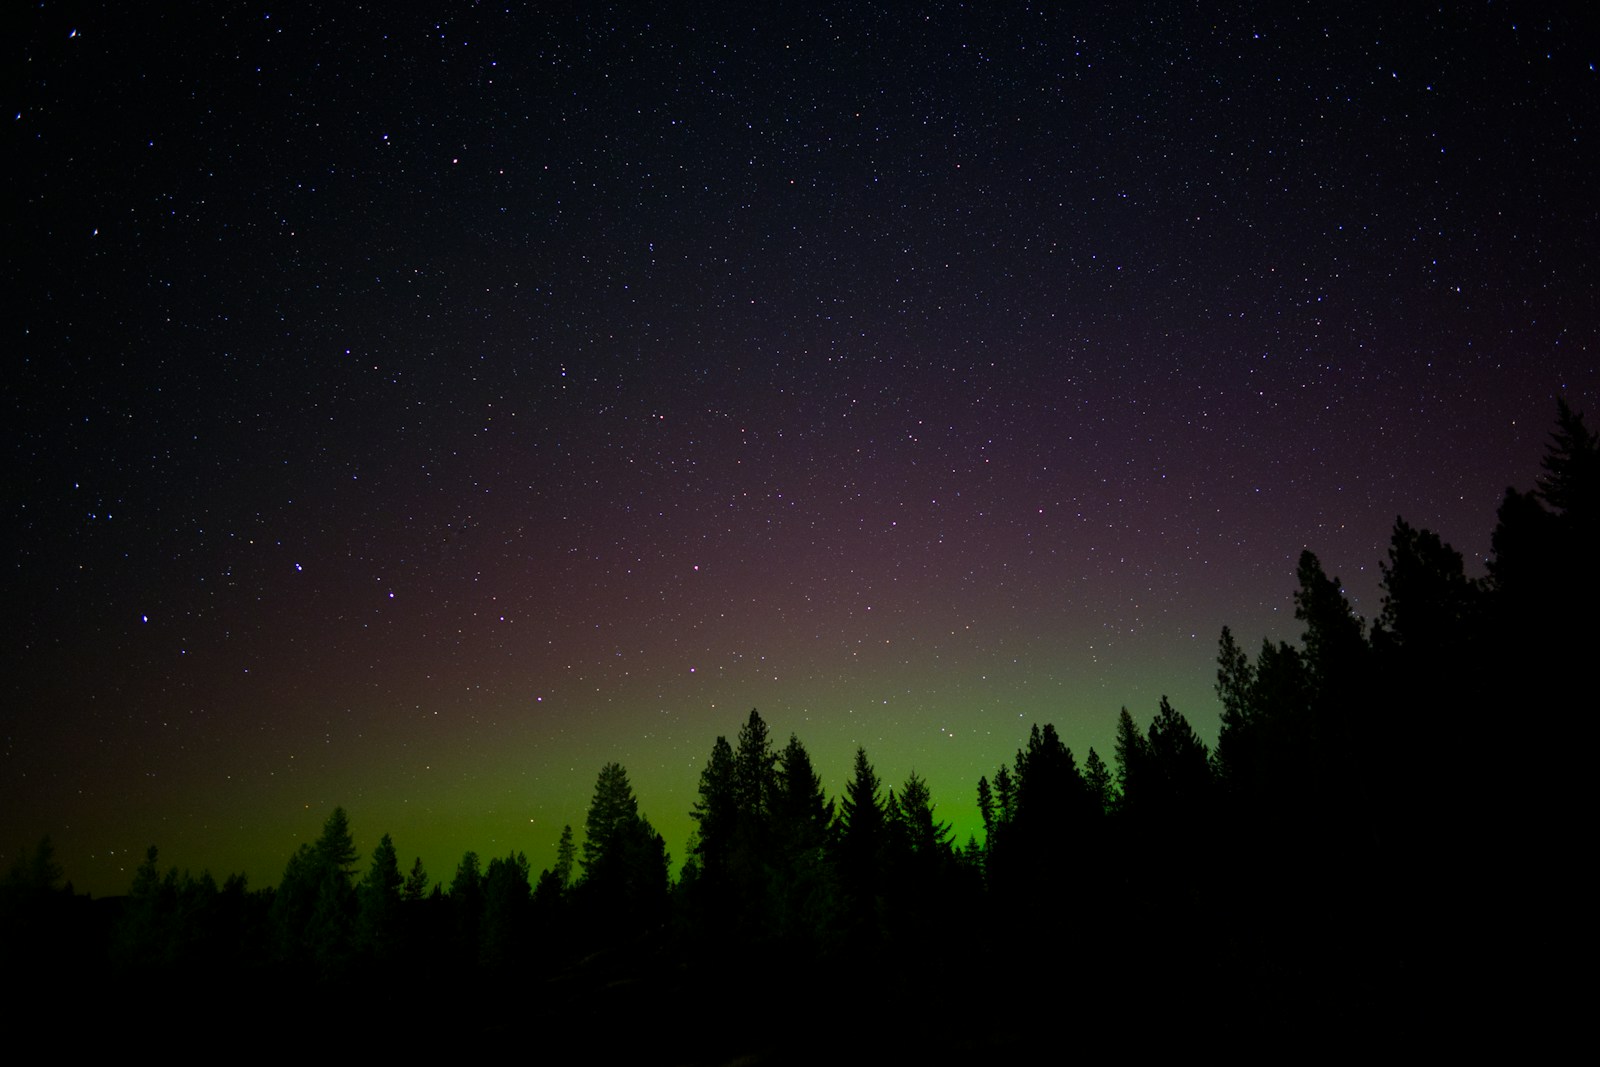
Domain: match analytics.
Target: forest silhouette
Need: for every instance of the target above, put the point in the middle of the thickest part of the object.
(1354, 858)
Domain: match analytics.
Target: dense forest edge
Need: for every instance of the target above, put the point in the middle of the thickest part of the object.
(1358, 853)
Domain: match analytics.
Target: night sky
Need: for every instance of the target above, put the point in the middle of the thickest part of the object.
(416, 412)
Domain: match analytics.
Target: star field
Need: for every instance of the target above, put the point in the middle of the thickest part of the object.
(415, 413)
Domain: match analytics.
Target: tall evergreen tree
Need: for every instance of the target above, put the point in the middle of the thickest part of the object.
(35, 873)
(1032, 852)
(1132, 756)
(1429, 605)
(416, 886)
(896, 843)
(1236, 737)
(1571, 479)
(1280, 703)
(612, 813)
(1543, 557)
(468, 880)
(335, 849)
(755, 770)
(566, 856)
(1334, 638)
(313, 910)
(1050, 790)
(863, 838)
(551, 896)
(1539, 643)
(717, 811)
(861, 810)
(924, 834)
(625, 862)
(1005, 797)
(466, 908)
(1338, 671)
(507, 900)
(801, 886)
(1179, 764)
(1097, 777)
(803, 806)
(378, 904)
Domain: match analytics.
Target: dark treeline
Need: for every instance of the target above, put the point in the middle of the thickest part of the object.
(1356, 852)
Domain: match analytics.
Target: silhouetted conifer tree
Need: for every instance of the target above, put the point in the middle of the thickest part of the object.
(554, 882)
(862, 839)
(1543, 565)
(803, 806)
(802, 887)
(1132, 756)
(1005, 796)
(755, 774)
(335, 849)
(624, 881)
(566, 858)
(714, 904)
(507, 906)
(986, 806)
(716, 811)
(313, 910)
(1180, 767)
(1033, 851)
(1335, 653)
(611, 811)
(1234, 757)
(1429, 605)
(416, 884)
(1571, 480)
(752, 860)
(36, 872)
(1051, 793)
(550, 898)
(1537, 646)
(1097, 778)
(926, 835)
(378, 904)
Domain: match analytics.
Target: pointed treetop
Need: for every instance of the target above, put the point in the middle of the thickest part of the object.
(566, 853)
(384, 874)
(1130, 751)
(1334, 634)
(1234, 679)
(860, 807)
(755, 767)
(612, 812)
(1097, 776)
(335, 847)
(802, 797)
(916, 813)
(1571, 479)
(416, 882)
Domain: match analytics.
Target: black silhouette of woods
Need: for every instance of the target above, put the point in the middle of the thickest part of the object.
(1321, 861)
